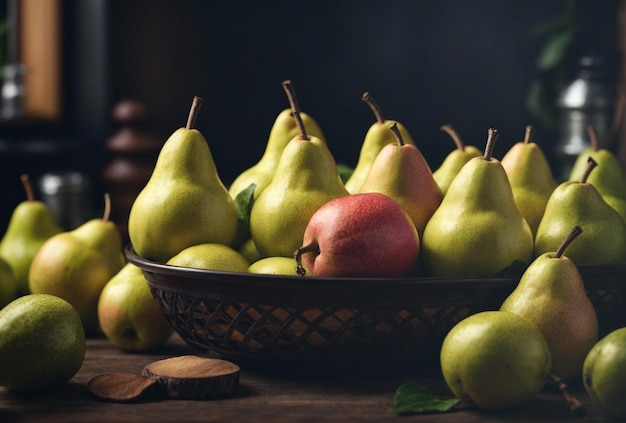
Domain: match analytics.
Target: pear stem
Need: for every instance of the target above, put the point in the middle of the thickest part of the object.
(568, 240)
(309, 248)
(369, 100)
(575, 406)
(28, 188)
(449, 129)
(492, 137)
(396, 133)
(107, 207)
(593, 137)
(295, 109)
(528, 135)
(591, 163)
(193, 112)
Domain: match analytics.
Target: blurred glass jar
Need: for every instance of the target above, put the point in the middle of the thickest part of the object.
(589, 100)
(69, 196)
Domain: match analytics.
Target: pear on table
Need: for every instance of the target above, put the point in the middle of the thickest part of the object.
(580, 203)
(376, 137)
(31, 224)
(401, 172)
(551, 293)
(77, 264)
(531, 178)
(305, 179)
(455, 160)
(477, 230)
(184, 202)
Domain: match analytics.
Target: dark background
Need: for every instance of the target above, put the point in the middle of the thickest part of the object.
(426, 63)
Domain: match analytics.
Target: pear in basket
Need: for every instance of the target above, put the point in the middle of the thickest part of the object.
(360, 235)
(579, 203)
(376, 137)
(477, 230)
(282, 131)
(455, 160)
(531, 178)
(184, 202)
(305, 179)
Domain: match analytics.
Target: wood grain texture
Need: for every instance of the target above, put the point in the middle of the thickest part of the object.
(268, 396)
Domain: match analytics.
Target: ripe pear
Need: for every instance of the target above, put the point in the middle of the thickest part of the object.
(42, 343)
(287, 266)
(551, 293)
(8, 284)
(477, 230)
(604, 373)
(401, 172)
(184, 202)
(77, 264)
(455, 160)
(32, 223)
(609, 178)
(211, 256)
(305, 179)
(128, 314)
(360, 235)
(376, 137)
(282, 131)
(249, 250)
(531, 178)
(579, 203)
(495, 359)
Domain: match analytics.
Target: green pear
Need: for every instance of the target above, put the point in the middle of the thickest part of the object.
(477, 230)
(211, 256)
(77, 264)
(128, 314)
(531, 178)
(401, 172)
(551, 293)
(42, 343)
(249, 250)
(277, 266)
(604, 373)
(32, 223)
(184, 202)
(455, 160)
(306, 178)
(282, 131)
(8, 284)
(376, 137)
(609, 178)
(495, 359)
(579, 203)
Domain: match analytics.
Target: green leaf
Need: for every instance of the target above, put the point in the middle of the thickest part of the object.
(345, 171)
(244, 201)
(516, 268)
(411, 398)
(555, 50)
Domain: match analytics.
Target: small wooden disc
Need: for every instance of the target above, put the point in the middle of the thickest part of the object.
(120, 387)
(193, 377)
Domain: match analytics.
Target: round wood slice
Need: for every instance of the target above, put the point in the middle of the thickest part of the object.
(193, 377)
(120, 387)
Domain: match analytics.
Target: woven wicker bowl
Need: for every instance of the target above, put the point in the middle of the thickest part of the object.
(339, 323)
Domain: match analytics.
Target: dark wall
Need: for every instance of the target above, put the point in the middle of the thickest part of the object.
(427, 63)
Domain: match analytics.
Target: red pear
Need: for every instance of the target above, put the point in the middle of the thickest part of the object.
(360, 235)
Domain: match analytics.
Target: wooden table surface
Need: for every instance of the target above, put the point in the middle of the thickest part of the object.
(268, 396)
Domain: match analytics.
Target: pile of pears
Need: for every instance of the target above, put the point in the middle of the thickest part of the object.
(475, 215)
